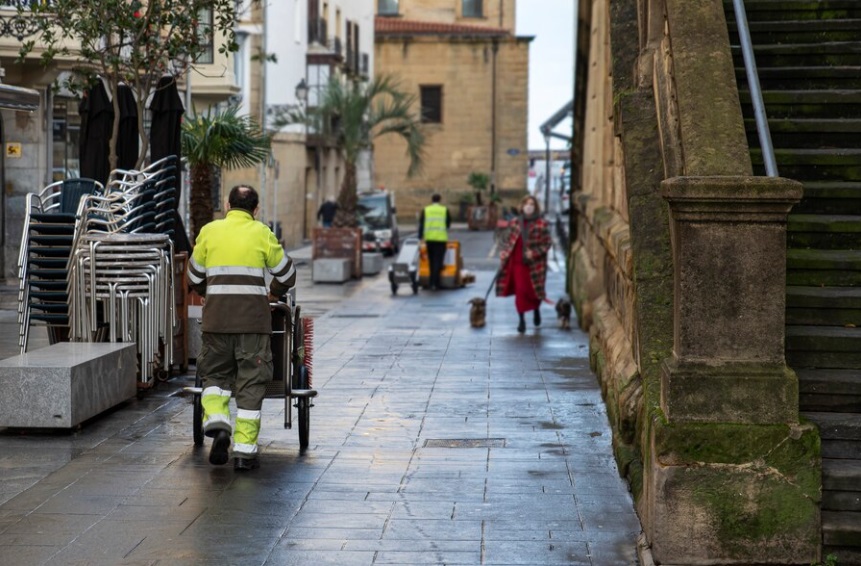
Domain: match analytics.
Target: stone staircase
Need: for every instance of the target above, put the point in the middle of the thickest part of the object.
(808, 53)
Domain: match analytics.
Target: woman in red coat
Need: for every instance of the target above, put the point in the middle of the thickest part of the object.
(524, 262)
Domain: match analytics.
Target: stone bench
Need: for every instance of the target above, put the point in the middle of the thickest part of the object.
(62, 385)
(331, 270)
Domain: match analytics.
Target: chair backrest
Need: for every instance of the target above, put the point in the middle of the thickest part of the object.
(72, 191)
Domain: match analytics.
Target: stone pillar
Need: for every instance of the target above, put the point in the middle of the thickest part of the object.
(731, 476)
(729, 259)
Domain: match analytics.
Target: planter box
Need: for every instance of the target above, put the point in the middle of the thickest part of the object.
(331, 270)
(339, 243)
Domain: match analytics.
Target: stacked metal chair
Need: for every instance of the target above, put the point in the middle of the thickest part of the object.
(50, 224)
(121, 277)
(122, 291)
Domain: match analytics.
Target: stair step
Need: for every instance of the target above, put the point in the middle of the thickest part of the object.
(824, 231)
(798, 31)
(49, 273)
(824, 297)
(841, 475)
(826, 347)
(804, 78)
(829, 390)
(836, 426)
(841, 528)
(817, 268)
(835, 164)
(808, 133)
(827, 104)
(841, 500)
(830, 197)
(830, 338)
(797, 9)
(804, 54)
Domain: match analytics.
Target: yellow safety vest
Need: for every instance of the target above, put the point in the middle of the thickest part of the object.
(435, 229)
(228, 267)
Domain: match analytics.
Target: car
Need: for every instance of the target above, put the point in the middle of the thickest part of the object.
(376, 211)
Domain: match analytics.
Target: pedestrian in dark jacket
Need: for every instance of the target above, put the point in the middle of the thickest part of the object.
(524, 262)
(326, 212)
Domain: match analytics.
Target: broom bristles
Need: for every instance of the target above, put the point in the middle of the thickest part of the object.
(308, 346)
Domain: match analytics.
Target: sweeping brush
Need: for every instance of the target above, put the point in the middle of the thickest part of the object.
(308, 347)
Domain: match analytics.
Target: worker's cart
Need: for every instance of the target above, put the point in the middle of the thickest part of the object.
(452, 276)
(405, 269)
(291, 380)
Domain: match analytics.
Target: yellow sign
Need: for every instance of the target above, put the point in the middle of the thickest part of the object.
(13, 150)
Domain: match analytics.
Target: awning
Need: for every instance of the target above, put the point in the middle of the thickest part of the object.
(19, 98)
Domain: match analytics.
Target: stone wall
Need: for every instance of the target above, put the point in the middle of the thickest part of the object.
(676, 273)
(463, 142)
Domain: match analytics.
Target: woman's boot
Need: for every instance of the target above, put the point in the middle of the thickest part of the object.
(522, 326)
(536, 316)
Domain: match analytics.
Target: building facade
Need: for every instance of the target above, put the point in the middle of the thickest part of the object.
(306, 42)
(469, 73)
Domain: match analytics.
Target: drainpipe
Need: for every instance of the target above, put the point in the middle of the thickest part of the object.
(494, 49)
(264, 165)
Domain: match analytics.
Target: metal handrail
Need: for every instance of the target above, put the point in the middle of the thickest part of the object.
(755, 91)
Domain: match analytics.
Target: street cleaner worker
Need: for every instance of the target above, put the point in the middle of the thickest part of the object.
(227, 267)
(434, 224)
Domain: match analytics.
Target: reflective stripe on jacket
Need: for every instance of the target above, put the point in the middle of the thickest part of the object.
(228, 267)
(435, 223)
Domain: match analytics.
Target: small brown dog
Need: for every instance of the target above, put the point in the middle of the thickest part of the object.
(477, 312)
(563, 313)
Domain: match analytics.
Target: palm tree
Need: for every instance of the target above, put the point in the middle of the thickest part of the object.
(353, 115)
(218, 139)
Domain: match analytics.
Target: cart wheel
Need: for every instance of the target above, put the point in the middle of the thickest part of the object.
(394, 288)
(197, 416)
(303, 406)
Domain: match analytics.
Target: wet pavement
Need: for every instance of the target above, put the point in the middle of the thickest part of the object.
(431, 443)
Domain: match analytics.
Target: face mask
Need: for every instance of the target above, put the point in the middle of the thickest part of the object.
(528, 209)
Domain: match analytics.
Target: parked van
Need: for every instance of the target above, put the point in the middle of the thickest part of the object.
(376, 210)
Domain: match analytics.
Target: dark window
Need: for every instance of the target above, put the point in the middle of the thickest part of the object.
(387, 7)
(431, 104)
(472, 9)
(204, 33)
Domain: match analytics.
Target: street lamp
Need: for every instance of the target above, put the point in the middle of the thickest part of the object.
(302, 91)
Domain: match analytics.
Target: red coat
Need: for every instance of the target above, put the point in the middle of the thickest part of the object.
(537, 241)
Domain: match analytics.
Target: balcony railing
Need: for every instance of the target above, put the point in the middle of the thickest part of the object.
(14, 25)
(317, 31)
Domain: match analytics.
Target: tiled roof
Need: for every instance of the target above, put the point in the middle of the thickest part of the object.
(397, 26)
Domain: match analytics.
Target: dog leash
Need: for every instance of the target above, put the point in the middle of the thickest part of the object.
(492, 283)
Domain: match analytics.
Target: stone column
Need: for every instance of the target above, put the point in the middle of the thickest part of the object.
(731, 476)
(729, 259)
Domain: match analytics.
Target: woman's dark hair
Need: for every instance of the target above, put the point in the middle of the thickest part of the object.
(244, 197)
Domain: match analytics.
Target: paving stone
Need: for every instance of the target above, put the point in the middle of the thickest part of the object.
(523, 471)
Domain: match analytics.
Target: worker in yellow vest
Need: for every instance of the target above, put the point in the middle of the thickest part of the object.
(228, 267)
(434, 223)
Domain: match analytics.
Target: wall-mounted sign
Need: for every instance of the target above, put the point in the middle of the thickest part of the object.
(13, 150)
(513, 151)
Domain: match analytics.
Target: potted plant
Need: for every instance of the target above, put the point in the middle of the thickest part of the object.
(480, 216)
(466, 200)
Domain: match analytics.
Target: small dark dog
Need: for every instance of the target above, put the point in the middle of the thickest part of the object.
(563, 313)
(477, 312)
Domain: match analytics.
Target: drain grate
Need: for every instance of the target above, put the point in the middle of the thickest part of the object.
(465, 443)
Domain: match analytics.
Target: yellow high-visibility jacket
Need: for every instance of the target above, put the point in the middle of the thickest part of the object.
(228, 266)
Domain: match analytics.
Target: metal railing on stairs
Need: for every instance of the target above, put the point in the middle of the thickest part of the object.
(755, 91)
